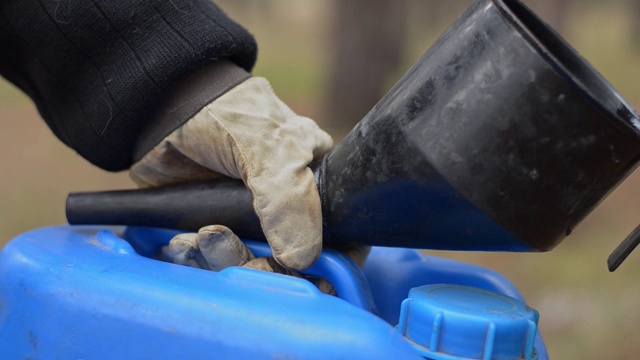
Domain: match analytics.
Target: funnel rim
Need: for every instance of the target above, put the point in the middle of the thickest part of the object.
(574, 68)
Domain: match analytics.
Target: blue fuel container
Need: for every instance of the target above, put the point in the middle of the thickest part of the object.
(90, 292)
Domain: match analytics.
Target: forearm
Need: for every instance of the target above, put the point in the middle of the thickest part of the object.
(98, 72)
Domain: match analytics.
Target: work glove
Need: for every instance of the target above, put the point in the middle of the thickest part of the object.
(250, 134)
(216, 247)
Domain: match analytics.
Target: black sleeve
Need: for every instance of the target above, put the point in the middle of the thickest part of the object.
(98, 69)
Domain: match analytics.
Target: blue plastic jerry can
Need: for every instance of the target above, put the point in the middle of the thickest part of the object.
(98, 293)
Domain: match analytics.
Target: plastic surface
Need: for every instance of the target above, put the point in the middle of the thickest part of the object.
(392, 273)
(334, 266)
(459, 322)
(84, 292)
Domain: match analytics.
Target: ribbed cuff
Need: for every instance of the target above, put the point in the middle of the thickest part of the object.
(189, 96)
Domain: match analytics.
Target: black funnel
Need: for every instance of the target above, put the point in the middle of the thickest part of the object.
(501, 137)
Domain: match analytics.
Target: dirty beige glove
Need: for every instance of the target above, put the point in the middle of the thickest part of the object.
(216, 247)
(250, 134)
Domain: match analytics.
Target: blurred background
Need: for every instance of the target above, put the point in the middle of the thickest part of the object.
(332, 61)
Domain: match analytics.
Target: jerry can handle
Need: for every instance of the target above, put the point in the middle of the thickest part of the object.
(338, 269)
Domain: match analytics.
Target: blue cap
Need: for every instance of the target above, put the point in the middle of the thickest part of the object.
(452, 322)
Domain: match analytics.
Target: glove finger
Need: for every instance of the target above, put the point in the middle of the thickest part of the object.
(182, 250)
(358, 253)
(284, 190)
(288, 205)
(322, 141)
(325, 287)
(221, 248)
(315, 140)
(269, 265)
(324, 144)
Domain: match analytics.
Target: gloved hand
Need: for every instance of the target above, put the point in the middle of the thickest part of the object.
(250, 134)
(216, 247)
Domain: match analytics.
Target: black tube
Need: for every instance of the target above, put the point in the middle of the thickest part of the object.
(184, 206)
